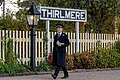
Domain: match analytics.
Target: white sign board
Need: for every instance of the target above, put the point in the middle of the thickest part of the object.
(63, 14)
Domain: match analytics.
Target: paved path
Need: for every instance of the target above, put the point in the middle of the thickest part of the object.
(98, 75)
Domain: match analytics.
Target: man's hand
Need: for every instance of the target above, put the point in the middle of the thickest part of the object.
(59, 44)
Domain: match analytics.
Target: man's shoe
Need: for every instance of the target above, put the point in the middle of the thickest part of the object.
(66, 76)
(54, 76)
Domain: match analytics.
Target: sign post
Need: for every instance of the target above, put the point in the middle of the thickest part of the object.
(48, 35)
(77, 36)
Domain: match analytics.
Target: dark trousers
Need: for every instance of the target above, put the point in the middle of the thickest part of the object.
(58, 69)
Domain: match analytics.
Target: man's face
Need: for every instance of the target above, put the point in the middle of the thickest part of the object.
(59, 29)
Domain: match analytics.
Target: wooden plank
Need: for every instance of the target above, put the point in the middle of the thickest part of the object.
(20, 48)
(14, 39)
(42, 45)
(6, 35)
(17, 40)
(39, 45)
(71, 45)
(3, 44)
(95, 38)
(92, 39)
(52, 37)
(74, 43)
(88, 42)
(81, 42)
(23, 46)
(26, 46)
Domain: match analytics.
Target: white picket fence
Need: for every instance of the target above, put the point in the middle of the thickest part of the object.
(21, 43)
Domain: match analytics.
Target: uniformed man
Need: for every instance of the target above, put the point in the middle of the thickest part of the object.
(61, 41)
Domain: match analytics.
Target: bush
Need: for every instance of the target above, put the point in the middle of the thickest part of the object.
(69, 61)
(117, 46)
(105, 57)
(79, 60)
(97, 58)
(43, 66)
(10, 57)
(13, 69)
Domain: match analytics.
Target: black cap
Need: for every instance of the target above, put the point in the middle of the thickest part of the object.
(59, 25)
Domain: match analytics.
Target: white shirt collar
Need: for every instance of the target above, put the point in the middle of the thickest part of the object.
(60, 33)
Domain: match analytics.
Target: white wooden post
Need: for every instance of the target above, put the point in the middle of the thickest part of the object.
(48, 35)
(77, 36)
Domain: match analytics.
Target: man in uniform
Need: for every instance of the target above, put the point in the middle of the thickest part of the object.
(61, 41)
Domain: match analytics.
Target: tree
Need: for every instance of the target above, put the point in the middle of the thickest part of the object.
(21, 14)
(101, 13)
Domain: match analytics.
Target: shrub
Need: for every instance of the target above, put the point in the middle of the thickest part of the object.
(69, 61)
(79, 60)
(105, 57)
(117, 46)
(86, 59)
(13, 69)
(1, 61)
(10, 57)
(83, 59)
(43, 66)
(50, 58)
(98, 58)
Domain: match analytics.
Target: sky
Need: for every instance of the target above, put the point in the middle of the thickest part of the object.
(9, 4)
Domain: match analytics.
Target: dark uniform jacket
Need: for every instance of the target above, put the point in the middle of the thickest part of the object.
(59, 52)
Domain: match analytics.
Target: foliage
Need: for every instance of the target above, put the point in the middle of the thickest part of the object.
(19, 68)
(43, 66)
(13, 69)
(86, 59)
(117, 46)
(101, 15)
(79, 60)
(45, 53)
(1, 61)
(11, 23)
(10, 65)
(97, 58)
(69, 61)
(10, 57)
(50, 58)
(105, 57)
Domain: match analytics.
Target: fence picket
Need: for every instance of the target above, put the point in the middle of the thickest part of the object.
(20, 54)
(80, 42)
(16, 43)
(42, 46)
(39, 50)
(74, 43)
(26, 46)
(3, 45)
